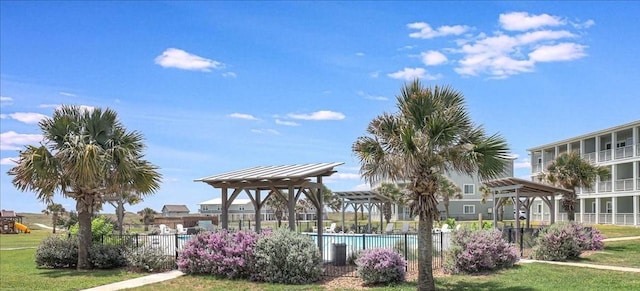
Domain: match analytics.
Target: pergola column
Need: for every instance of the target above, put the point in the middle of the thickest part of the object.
(258, 208)
(582, 210)
(635, 210)
(614, 209)
(225, 209)
(598, 210)
(291, 202)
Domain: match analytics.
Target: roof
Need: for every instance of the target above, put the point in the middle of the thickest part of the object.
(272, 173)
(175, 208)
(8, 213)
(362, 196)
(523, 186)
(217, 201)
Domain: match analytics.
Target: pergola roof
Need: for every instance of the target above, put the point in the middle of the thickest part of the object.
(362, 196)
(524, 187)
(261, 174)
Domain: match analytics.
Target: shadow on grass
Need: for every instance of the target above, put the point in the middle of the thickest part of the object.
(57, 273)
(479, 281)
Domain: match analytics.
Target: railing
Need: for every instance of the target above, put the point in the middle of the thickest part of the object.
(604, 155)
(624, 152)
(624, 184)
(591, 157)
(638, 184)
(604, 186)
(624, 219)
(537, 168)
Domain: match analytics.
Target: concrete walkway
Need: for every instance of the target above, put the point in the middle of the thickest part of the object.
(601, 267)
(137, 282)
(621, 238)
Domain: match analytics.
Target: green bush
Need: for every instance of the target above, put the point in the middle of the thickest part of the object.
(57, 252)
(107, 256)
(287, 257)
(477, 251)
(565, 241)
(149, 259)
(99, 226)
(353, 256)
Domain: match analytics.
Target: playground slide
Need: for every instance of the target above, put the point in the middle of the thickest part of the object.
(22, 227)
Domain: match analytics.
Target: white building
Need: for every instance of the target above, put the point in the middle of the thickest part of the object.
(613, 199)
(243, 210)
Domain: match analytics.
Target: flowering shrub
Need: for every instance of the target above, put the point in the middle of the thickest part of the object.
(57, 252)
(381, 266)
(566, 241)
(476, 251)
(287, 257)
(149, 259)
(106, 256)
(223, 253)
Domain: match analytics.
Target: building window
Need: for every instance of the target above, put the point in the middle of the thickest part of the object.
(469, 209)
(469, 189)
(539, 208)
(608, 207)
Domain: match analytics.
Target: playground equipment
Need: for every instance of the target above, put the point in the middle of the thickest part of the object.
(22, 227)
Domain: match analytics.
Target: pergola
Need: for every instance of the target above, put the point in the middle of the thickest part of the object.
(516, 189)
(294, 180)
(360, 199)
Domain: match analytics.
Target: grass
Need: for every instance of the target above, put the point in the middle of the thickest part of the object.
(19, 272)
(613, 231)
(534, 276)
(616, 253)
(30, 240)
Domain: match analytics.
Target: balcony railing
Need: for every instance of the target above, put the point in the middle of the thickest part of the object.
(624, 184)
(591, 157)
(624, 152)
(604, 156)
(537, 168)
(638, 184)
(604, 186)
(588, 190)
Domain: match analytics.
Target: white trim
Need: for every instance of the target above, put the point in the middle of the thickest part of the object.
(464, 209)
(473, 189)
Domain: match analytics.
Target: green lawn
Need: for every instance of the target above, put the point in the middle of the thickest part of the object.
(616, 253)
(23, 240)
(611, 231)
(522, 277)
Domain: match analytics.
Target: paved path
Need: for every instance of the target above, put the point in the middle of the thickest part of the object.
(602, 267)
(43, 226)
(137, 282)
(621, 238)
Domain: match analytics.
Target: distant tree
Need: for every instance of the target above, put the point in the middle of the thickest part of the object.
(278, 204)
(85, 155)
(331, 200)
(148, 216)
(393, 192)
(70, 220)
(447, 190)
(118, 200)
(570, 171)
(56, 210)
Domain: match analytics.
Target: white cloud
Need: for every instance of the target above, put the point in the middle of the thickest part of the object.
(287, 123)
(521, 21)
(362, 187)
(371, 97)
(27, 117)
(265, 131)
(229, 75)
(177, 58)
(318, 115)
(433, 58)
(414, 73)
(522, 164)
(360, 54)
(5, 99)
(582, 25)
(67, 94)
(12, 140)
(543, 35)
(8, 161)
(3, 116)
(243, 116)
(50, 105)
(375, 74)
(426, 32)
(407, 47)
(558, 52)
(345, 176)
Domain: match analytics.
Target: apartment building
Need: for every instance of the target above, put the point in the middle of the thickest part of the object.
(613, 199)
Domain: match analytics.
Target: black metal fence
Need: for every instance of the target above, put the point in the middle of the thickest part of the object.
(525, 240)
(339, 254)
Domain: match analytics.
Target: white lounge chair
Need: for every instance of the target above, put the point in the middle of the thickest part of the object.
(331, 228)
(405, 227)
(445, 228)
(164, 229)
(389, 229)
(181, 229)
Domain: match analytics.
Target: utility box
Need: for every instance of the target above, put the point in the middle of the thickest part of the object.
(339, 252)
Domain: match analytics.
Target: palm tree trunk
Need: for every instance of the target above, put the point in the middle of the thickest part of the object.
(84, 234)
(446, 207)
(425, 253)
(120, 215)
(54, 218)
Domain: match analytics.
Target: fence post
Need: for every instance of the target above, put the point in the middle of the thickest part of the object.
(176, 244)
(364, 247)
(441, 247)
(521, 241)
(137, 240)
(406, 251)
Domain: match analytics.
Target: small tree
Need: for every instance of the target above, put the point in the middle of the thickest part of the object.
(393, 192)
(55, 210)
(278, 204)
(447, 190)
(148, 215)
(570, 171)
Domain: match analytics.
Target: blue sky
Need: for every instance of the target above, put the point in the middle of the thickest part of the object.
(221, 86)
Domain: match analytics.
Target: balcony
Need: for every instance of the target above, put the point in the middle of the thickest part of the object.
(624, 184)
(604, 156)
(537, 168)
(591, 157)
(638, 184)
(624, 152)
(604, 186)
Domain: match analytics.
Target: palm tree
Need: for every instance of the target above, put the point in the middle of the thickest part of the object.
(85, 155)
(430, 135)
(447, 190)
(148, 215)
(570, 171)
(55, 210)
(393, 192)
